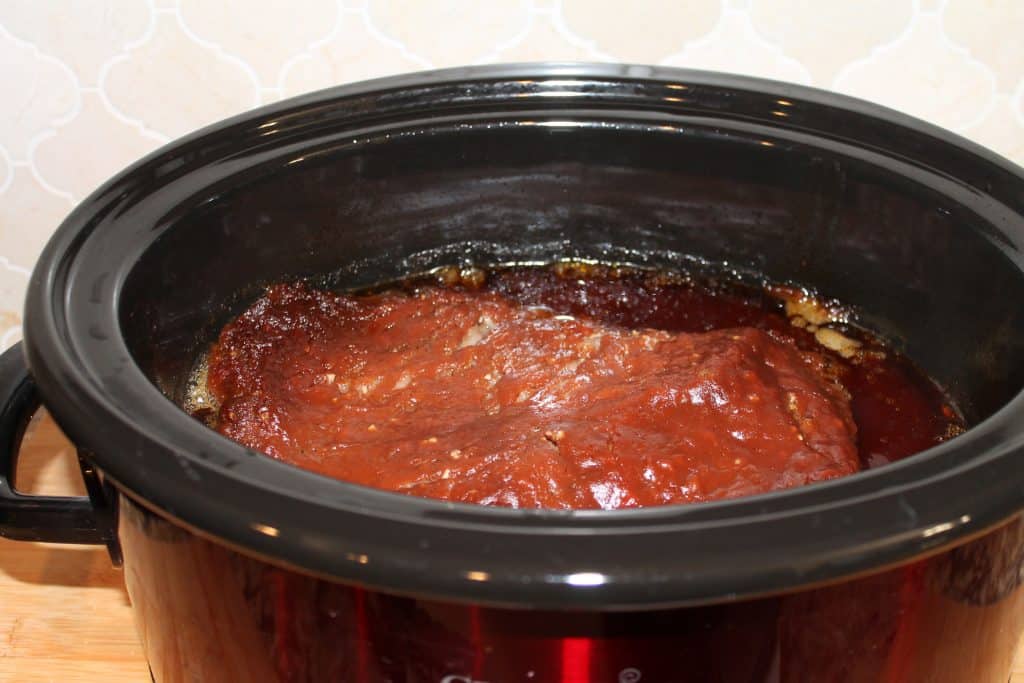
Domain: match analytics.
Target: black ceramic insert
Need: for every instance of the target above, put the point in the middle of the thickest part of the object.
(918, 229)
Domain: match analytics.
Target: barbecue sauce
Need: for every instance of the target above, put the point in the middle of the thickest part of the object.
(572, 386)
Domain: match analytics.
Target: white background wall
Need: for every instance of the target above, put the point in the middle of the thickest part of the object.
(90, 85)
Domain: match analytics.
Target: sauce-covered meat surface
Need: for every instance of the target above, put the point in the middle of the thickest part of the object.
(517, 394)
(467, 396)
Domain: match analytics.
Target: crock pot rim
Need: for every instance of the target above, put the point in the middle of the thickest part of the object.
(426, 535)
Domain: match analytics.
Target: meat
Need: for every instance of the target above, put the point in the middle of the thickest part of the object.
(467, 396)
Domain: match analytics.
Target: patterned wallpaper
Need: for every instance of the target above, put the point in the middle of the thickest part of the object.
(91, 85)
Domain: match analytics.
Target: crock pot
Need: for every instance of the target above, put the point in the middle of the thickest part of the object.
(241, 568)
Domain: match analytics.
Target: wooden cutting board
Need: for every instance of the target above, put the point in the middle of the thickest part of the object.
(64, 613)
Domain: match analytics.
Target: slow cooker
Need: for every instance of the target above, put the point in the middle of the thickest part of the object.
(241, 568)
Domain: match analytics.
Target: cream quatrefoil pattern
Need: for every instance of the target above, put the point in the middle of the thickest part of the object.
(92, 85)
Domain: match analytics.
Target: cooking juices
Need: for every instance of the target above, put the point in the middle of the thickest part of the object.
(572, 386)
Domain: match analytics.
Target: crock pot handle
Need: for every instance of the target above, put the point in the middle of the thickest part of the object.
(54, 519)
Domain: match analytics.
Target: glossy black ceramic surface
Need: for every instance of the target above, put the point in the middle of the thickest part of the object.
(211, 614)
(918, 229)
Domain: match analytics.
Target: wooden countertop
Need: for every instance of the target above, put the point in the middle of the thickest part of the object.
(64, 613)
